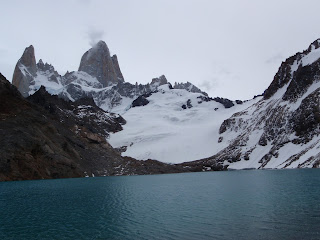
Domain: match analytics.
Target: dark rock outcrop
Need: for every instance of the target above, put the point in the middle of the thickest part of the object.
(140, 101)
(82, 113)
(224, 101)
(306, 119)
(205, 98)
(302, 78)
(187, 105)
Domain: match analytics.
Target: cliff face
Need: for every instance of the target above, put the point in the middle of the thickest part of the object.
(98, 63)
(117, 68)
(25, 71)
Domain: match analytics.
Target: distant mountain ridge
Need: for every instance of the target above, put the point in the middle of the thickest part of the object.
(99, 76)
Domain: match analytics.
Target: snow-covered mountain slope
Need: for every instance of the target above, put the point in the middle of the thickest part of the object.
(282, 129)
(174, 126)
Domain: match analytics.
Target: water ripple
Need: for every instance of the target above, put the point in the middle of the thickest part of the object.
(229, 205)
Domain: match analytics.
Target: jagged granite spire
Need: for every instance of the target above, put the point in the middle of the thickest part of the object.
(117, 68)
(25, 71)
(98, 63)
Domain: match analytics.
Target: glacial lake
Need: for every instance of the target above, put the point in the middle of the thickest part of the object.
(255, 204)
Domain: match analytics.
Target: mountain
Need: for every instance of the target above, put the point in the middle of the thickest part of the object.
(180, 123)
(44, 136)
(98, 77)
(282, 129)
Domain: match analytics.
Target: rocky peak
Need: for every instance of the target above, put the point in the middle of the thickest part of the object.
(314, 45)
(98, 63)
(25, 71)
(159, 81)
(189, 87)
(45, 66)
(117, 68)
(40, 62)
(28, 59)
(40, 65)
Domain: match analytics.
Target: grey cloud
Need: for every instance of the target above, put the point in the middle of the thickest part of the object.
(84, 1)
(275, 59)
(207, 85)
(94, 36)
(187, 44)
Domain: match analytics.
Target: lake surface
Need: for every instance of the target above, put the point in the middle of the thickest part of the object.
(259, 204)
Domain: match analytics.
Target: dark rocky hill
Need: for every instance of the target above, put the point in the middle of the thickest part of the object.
(46, 137)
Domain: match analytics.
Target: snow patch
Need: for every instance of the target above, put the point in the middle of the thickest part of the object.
(43, 79)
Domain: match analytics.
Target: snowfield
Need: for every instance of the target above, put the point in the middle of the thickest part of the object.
(164, 131)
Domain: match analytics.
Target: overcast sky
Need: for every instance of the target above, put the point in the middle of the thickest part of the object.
(229, 48)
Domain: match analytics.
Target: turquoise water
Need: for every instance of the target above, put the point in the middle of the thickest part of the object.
(269, 204)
